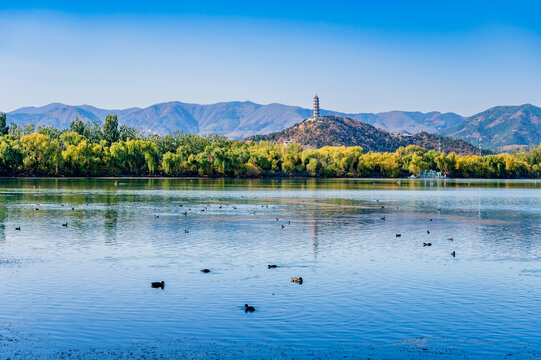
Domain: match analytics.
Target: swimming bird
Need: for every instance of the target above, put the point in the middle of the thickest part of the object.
(398, 235)
(72, 208)
(453, 254)
(427, 244)
(156, 216)
(272, 266)
(450, 239)
(157, 284)
(37, 209)
(205, 271)
(383, 207)
(249, 308)
(428, 231)
(18, 228)
(430, 219)
(186, 231)
(383, 218)
(298, 280)
(283, 226)
(65, 224)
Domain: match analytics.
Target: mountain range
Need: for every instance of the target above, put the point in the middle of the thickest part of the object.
(501, 127)
(337, 131)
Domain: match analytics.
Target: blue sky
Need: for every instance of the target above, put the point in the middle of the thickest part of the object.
(359, 56)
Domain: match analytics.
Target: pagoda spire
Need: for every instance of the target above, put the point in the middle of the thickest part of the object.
(316, 106)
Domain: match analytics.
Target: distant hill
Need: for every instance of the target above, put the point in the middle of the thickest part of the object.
(234, 119)
(337, 131)
(501, 127)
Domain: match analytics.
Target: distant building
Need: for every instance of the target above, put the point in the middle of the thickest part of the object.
(431, 174)
(316, 107)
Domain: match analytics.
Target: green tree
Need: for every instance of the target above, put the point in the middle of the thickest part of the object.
(4, 129)
(43, 155)
(78, 126)
(15, 129)
(11, 155)
(128, 132)
(29, 128)
(110, 129)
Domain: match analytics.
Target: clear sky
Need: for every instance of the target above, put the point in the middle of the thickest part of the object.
(358, 56)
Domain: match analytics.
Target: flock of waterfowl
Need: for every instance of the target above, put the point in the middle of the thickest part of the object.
(297, 280)
(247, 308)
(453, 254)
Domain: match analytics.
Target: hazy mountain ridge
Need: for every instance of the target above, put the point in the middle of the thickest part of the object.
(235, 119)
(338, 131)
(499, 127)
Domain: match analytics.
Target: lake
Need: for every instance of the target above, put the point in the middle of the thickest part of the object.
(83, 290)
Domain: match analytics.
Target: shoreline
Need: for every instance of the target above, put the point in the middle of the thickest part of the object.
(261, 177)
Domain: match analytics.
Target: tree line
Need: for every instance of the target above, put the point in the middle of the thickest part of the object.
(90, 148)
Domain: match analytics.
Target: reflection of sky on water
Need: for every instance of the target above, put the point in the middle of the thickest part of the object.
(87, 284)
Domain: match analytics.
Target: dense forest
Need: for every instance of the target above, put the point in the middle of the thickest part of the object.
(94, 149)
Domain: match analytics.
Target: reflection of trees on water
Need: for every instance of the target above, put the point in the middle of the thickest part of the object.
(313, 230)
(3, 217)
(110, 225)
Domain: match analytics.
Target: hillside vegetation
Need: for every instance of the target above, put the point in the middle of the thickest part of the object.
(336, 131)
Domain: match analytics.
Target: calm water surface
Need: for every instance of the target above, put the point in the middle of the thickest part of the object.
(83, 291)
